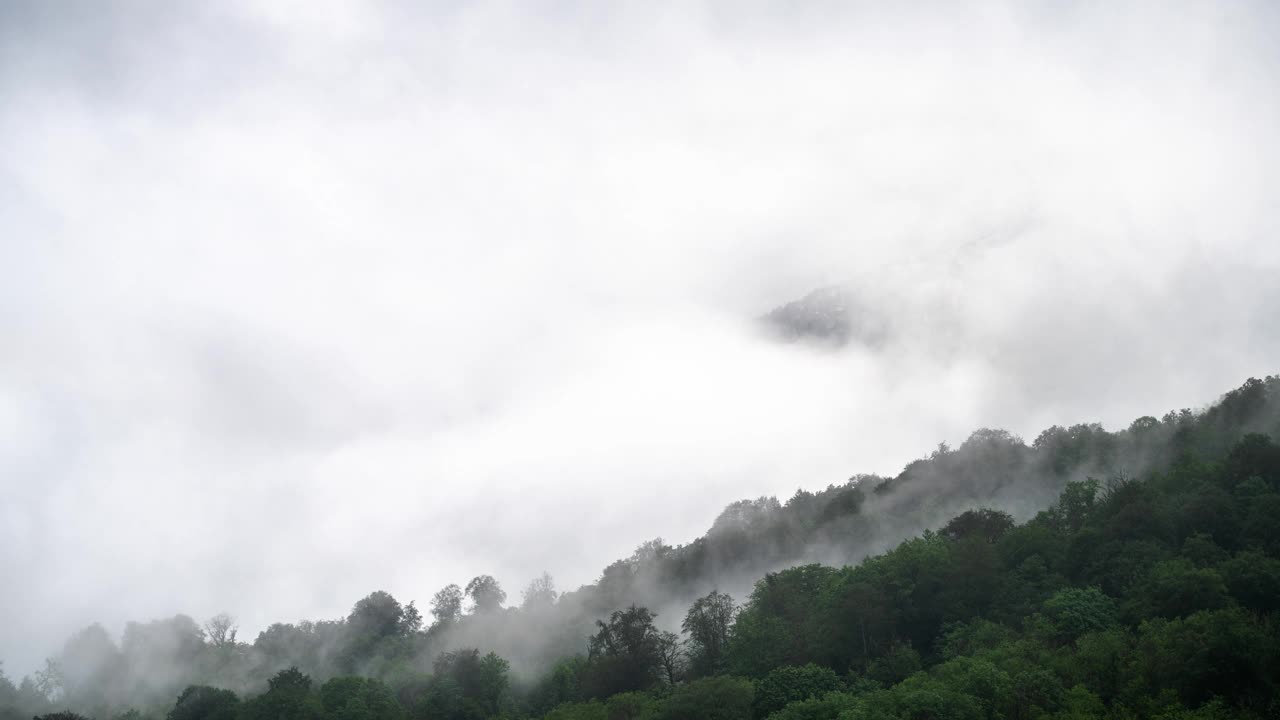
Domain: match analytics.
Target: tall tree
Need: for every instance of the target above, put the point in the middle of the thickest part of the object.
(708, 623)
(220, 630)
(446, 605)
(541, 593)
(379, 615)
(486, 594)
(200, 702)
(671, 657)
(625, 653)
(288, 697)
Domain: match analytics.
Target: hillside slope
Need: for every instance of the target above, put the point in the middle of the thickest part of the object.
(1153, 551)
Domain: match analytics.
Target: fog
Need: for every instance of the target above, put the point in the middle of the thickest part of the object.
(306, 300)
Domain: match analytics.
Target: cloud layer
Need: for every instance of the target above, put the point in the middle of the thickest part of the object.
(304, 301)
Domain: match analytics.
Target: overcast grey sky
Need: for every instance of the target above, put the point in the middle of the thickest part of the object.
(305, 299)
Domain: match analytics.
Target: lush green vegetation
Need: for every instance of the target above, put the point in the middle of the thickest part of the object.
(1148, 588)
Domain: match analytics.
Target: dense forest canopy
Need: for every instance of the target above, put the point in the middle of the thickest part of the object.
(1089, 573)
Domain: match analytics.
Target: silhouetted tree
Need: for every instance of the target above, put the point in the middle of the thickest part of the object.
(446, 605)
(625, 653)
(708, 623)
(541, 593)
(486, 594)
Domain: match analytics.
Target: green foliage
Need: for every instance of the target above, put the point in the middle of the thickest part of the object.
(380, 615)
(1211, 653)
(1176, 588)
(790, 683)
(1075, 505)
(1254, 580)
(1101, 662)
(493, 684)
(983, 524)
(592, 710)
(631, 706)
(1076, 611)
(973, 638)
(708, 623)
(917, 697)
(778, 625)
(288, 697)
(900, 663)
(446, 605)
(1078, 703)
(827, 707)
(201, 702)
(486, 594)
(559, 686)
(466, 685)
(357, 698)
(715, 698)
(289, 681)
(625, 654)
(994, 689)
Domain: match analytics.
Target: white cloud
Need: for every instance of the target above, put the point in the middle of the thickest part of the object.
(305, 301)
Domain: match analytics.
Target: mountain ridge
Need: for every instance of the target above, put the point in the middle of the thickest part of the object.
(749, 547)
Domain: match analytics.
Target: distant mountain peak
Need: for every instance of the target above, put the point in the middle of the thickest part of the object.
(830, 315)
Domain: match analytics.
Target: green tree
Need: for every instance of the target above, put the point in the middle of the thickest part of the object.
(631, 706)
(790, 683)
(562, 684)
(902, 661)
(494, 695)
(985, 524)
(1101, 662)
(828, 707)
(486, 594)
(1254, 581)
(780, 624)
(201, 702)
(714, 698)
(920, 696)
(672, 661)
(1255, 455)
(1211, 653)
(446, 605)
(358, 698)
(1076, 504)
(1076, 611)
(708, 623)
(993, 688)
(465, 684)
(288, 697)
(1175, 588)
(379, 615)
(625, 654)
(1078, 703)
(592, 710)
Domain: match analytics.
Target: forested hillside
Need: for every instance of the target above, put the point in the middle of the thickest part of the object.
(1090, 573)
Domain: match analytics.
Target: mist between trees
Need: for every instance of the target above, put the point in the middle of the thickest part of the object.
(1151, 550)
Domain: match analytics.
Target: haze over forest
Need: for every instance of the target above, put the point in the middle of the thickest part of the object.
(306, 300)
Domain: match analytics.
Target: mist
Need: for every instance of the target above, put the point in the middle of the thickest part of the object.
(303, 302)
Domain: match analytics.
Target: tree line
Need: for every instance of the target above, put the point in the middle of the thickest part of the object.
(1147, 588)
